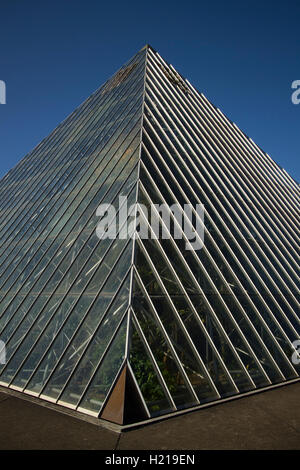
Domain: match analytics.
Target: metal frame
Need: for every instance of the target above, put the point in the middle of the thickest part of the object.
(78, 235)
(86, 169)
(84, 410)
(166, 337)
(93, 100)
(159, 375)
(108, 118)
(216, 176)
(195, 152)
(232, 189)
(88, 342)
(70, 287)
(202, 113)
(210, 281)
(216, 229)
(229, 234)
(214, 265)
(227, 310)
(136, 200)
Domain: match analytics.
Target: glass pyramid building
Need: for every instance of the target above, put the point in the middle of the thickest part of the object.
(131, 328)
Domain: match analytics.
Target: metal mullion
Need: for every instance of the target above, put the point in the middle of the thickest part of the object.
(64, 198)
(65, 131)
(91, 118)
(196, 94)
(208, 125)
(272, 316)
(270, 163)
(199, 97)
(213, 121)
(69, 313)
(139, 390)
(66, 254)
(222, 222)
(220, 274)
(94, 413)
(56, 309)
(76, 195)
(199, 359)
(69, 176)
(287, 177)
(157, 57)
(273, 248)
(36, 151)
(252, 170)
(82, 229)
(177, 93)
(271, 168)
(136, 200)
(110, 124)
(287, 192)
(217, 293)
(214, 172)
(266, 200)
(191, 305)
(57, 306)
(247, 277)
(129, 316)
(237, 134)
(69, 120)
(273, 282)
(77, 407)
(153, 361)
(124, 363)
(91, 337)
(254, 156)
(88, 169)
(182, 99)
(166, 337)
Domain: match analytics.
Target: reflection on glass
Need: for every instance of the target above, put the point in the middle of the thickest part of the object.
(107, 372)
(146, 376)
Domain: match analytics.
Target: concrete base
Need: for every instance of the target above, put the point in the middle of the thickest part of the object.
(268, 420)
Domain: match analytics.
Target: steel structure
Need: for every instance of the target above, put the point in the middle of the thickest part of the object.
(130, 329)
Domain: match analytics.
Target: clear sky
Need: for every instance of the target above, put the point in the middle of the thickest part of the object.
(243, 55)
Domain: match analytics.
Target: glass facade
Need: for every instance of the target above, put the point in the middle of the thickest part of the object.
(188, 327)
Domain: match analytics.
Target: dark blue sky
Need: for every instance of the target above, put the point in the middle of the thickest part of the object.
(243, 55)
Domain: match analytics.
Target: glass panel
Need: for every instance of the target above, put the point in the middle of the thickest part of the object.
(210, 292)
(171, 322)
(146, 376)
(106, 373)
(101, 122)
(72, 261)
(40, 314)
(161, 351)
(60, 334)
(104, 316)
(208, 162)
(216, 371)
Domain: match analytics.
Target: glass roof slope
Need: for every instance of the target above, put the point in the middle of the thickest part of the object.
(131, 328)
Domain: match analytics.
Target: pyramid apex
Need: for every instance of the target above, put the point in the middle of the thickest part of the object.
(148, 46)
